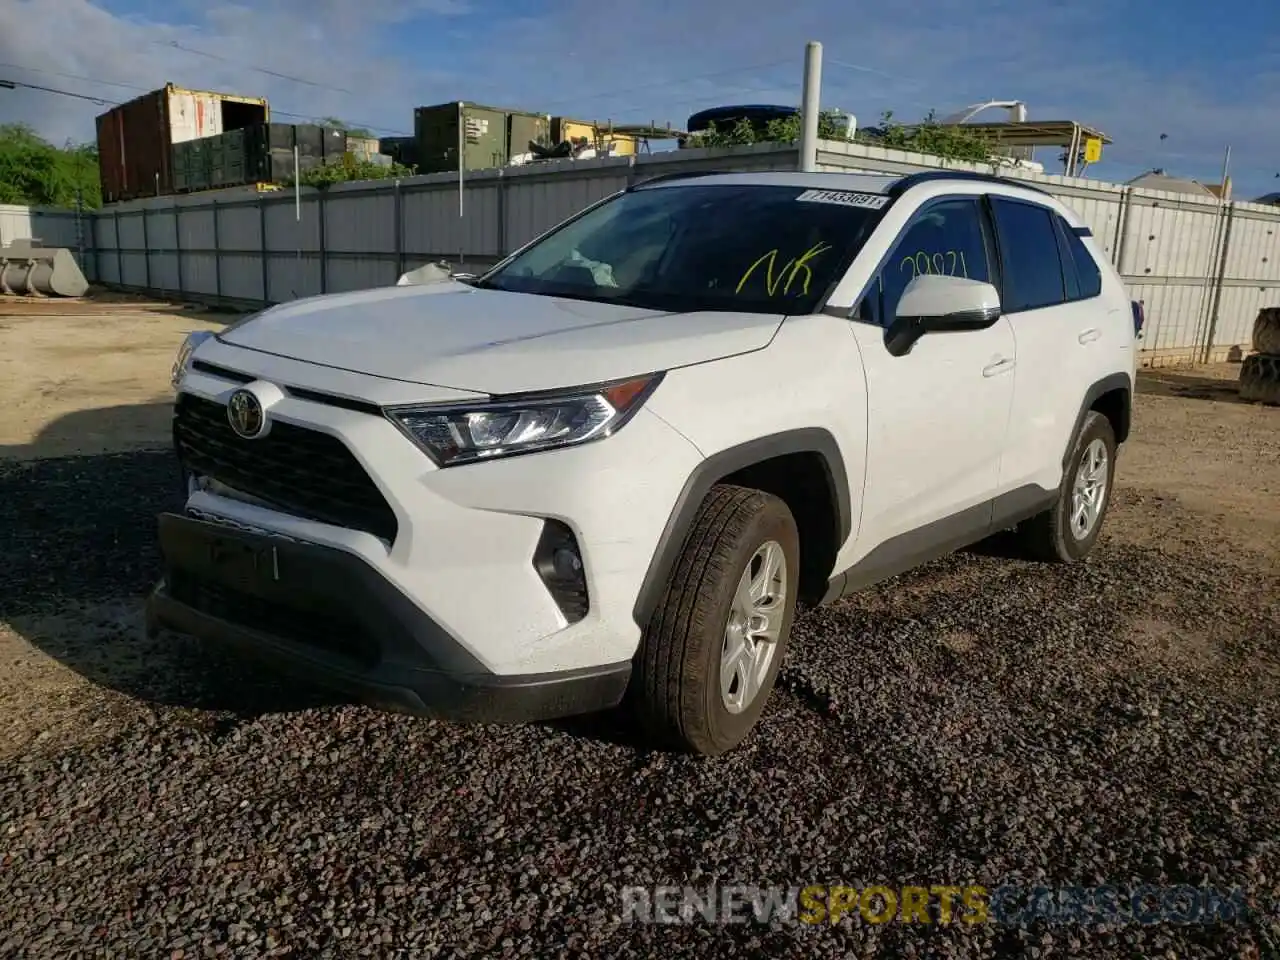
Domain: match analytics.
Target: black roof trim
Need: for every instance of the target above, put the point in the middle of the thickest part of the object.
(680, 175)
(928, 176)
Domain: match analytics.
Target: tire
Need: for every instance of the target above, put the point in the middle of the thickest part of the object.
(1050, 536)
(1266, 331)
(676, 680)
(1260, 378)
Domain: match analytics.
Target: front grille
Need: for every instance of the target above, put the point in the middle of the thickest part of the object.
(325, 630)
(303, 472)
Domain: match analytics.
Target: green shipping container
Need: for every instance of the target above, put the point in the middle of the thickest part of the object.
(484, 137)
(525, 128)
(198, 163)
(227, 159)
(181, 163)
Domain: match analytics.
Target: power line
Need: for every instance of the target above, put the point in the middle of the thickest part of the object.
(102, 101)
(249, 66)
(674, 81)
(65, 93)
(72, 76)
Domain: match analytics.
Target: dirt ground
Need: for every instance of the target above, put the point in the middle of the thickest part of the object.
(87, 377)
(1200, 477)
(78, 378)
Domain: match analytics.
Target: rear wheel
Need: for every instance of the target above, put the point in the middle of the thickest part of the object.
(711, 652)
(1067, 531)
(1260, 379)
(1266, 331)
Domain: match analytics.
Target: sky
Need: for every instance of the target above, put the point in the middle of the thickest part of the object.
(1173, 84)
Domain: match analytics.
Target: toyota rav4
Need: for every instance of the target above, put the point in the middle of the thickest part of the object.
(613, 467)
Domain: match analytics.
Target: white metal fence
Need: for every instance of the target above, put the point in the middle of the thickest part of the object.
(53, 228)
(1202, 268)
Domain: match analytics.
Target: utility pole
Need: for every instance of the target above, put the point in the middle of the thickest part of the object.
(809, 107)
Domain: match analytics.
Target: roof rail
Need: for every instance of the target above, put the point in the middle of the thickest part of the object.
(927, 176)
(680, 175)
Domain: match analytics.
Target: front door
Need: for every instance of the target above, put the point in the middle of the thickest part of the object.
(938, 415)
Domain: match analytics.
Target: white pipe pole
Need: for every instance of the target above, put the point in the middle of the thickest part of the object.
(809, 107)
(462, 115)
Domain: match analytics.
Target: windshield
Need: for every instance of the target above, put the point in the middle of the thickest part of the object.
(752, 248)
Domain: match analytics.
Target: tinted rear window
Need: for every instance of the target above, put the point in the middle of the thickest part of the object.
(1087, 271)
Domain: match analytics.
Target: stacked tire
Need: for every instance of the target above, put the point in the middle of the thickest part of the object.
(1260, 372)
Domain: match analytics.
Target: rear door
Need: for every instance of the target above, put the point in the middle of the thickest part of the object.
(1055, 326)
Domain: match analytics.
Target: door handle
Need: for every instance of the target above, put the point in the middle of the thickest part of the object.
(1090, 335)
(997, 366)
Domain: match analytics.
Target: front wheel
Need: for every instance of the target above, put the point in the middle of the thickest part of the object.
(1067, 531)
(710, 654)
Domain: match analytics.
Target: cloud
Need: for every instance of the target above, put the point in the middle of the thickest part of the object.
(664, 59)
(81, 47)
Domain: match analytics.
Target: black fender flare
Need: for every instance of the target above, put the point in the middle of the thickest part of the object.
(720, 465)
(1113, 381)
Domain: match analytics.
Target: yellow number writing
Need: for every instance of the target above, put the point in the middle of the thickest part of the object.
(787, 275)
(922, 262)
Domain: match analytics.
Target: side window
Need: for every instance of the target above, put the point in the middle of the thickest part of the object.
(945, 238)
(1031, 264)
(1069, 274)
(1086, 267)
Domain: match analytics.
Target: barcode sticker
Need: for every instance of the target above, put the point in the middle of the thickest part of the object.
(845, 198)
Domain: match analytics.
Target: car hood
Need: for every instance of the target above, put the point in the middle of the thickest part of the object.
(491, 341)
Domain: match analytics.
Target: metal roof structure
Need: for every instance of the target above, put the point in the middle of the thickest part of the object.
(1021, 138)
(1159, 180)
(1037, 133)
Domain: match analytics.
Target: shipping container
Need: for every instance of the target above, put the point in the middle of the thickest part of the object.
(181, 167)
(362, 148)
(484, 137)
(600, 135)
(526, 128)
(136, 139)
(313, 140)
(402, 150)
(198, 164)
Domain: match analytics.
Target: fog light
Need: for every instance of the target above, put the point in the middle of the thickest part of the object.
(558, 562)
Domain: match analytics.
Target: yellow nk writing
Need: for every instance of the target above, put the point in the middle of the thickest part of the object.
(788, 273)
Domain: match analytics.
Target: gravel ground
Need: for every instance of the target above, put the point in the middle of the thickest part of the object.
(982, 720)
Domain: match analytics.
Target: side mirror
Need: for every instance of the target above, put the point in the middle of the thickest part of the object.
(936, 303)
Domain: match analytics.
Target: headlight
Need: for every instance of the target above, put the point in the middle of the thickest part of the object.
(464, 433)
(183, 359)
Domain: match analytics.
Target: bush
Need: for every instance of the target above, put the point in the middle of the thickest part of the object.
(34, 172)
(929, 136)
(348, 170)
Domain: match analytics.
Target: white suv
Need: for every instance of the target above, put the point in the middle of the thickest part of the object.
(617, 462)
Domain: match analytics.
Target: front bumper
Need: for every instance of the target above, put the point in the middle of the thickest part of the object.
(326, 614)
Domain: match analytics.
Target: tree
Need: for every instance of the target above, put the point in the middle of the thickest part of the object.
(929, 136)
(347, 128)
(348, 169)
(34, 172)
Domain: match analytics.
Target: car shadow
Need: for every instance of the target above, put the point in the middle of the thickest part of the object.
(1187, 384)
(78, 538)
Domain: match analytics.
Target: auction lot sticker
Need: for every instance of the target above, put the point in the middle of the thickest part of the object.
(845, 198)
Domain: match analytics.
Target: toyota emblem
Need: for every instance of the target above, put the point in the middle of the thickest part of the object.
(246, 416)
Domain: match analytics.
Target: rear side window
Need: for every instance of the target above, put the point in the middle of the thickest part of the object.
(1031, 264)
(1087, 272)
(1069, 275)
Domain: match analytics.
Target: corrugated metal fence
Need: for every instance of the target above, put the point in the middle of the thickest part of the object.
(53, 228)
(1202, 268)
